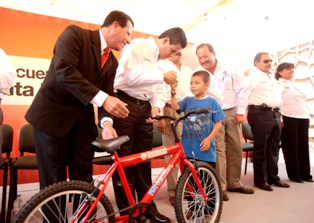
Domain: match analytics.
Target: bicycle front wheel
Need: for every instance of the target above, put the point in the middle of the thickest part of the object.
(59, 202)
(190, 205)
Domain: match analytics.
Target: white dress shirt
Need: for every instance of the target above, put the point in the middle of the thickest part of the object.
(294, 100)
(231, 86)
(264, 88)
(7, 74)
(213, 90)
(138, 72)
(183, 76)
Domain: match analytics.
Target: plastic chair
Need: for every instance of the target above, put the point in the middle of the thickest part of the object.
(24, 162)
(7, 134)
(248, 145)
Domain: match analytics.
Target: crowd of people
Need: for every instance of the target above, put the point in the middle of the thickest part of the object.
(150, 79)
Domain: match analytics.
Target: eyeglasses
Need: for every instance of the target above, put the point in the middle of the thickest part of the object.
(267, 61)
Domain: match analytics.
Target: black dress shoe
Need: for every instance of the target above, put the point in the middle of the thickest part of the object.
(159, 218)
(297, 180)
(264, 186)
(309, 180)
(279, 183)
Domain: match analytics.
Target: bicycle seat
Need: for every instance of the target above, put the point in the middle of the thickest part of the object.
(110, 145)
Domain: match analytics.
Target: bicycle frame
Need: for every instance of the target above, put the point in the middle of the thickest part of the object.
(178, 156)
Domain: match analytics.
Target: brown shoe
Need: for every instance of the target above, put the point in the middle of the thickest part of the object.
(242, 189)
(225, 196)
(171, 199)
(279, 183)
(264, 186)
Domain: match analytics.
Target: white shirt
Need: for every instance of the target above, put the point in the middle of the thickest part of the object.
(232, 87)
(138, 72)
(264, 88)
(7, 74)
(294, 100)
(213, 90)
(183, 76)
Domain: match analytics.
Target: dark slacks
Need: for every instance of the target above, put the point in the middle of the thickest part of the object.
(55, 154)
(295, 147)
(265, 127)
(141, 137)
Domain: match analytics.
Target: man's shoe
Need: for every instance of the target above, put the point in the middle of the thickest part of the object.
(242, 189)
(279, 183)
(297, 180)
(159, 218)
(171, 199)
(225, 196)
(264, 186)
(309, 180)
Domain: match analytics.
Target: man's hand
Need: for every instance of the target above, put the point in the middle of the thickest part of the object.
(116, 107)
(170, 77)
(239, 118)
(108, 132)
(161, 126)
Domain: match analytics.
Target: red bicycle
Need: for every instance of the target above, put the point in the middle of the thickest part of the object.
(198, 196)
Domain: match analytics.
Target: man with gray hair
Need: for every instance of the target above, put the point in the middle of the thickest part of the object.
(234, 92)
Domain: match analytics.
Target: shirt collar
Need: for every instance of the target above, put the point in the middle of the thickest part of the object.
(153, 45)
(103, 43)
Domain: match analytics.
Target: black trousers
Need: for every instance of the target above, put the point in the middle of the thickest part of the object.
(141, 138)
(265, 127)
(55, 154)
(295, 147)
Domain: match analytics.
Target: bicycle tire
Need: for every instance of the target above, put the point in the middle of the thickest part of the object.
(40, 207)
(190, 206)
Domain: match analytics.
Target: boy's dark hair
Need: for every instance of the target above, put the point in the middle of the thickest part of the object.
(203, 74)
(119, 17)
(176, 36)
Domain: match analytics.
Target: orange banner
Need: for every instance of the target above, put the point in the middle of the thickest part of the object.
(28, 39)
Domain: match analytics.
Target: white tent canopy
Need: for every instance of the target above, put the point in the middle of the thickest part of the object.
(232, 26)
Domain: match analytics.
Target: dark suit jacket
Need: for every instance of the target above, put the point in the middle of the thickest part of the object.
(73, 79)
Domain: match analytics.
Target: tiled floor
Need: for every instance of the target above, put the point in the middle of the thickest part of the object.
(282, 205)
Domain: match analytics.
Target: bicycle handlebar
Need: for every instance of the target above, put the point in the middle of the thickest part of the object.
(196, 111)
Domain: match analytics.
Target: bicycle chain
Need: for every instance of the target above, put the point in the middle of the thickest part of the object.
(114, 213)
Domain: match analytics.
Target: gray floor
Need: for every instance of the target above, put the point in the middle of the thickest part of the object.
(283, 205)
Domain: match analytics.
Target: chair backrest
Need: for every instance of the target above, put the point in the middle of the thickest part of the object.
(246, 131)
(27, 139)
(7, 135)
(157, 137)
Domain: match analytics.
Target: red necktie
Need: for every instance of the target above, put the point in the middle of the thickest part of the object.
(104, 57)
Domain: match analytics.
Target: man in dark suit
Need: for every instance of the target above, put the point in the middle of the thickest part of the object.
(62, 112)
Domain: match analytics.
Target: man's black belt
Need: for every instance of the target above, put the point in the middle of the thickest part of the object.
(264, 107)
(126, 96)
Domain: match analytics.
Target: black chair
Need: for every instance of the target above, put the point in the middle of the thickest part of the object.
(24, 162)
(7, 135)
(248, 145)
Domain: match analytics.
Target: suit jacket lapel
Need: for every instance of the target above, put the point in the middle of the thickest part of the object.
(96, 48)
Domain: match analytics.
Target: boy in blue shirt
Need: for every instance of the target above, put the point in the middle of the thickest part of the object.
(199, 130)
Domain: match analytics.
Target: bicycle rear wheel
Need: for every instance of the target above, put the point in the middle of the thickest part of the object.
(58, 203)
(189, 203)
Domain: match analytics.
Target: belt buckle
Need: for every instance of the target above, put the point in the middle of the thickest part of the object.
(263, 107)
